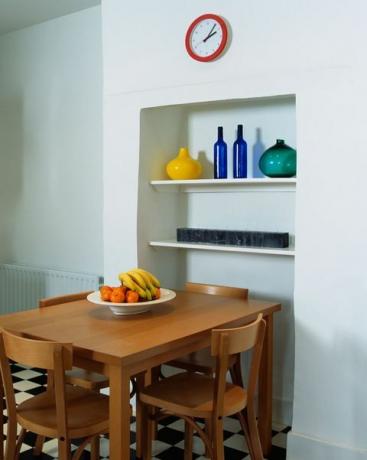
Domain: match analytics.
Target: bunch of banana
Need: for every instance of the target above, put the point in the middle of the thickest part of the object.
(141, 281)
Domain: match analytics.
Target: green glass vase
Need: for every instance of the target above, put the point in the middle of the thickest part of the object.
(280, 160)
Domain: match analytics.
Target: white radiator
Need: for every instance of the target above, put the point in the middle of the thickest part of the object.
(21, 287)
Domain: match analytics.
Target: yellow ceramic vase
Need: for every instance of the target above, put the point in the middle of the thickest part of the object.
(183, 167)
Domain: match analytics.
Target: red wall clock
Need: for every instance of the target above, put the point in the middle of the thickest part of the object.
(206, 37)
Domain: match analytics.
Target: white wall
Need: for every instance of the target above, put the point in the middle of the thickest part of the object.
(148, 52)
(308, 48)
(51, 193)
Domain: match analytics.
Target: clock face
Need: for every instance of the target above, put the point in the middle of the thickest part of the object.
(206, 38)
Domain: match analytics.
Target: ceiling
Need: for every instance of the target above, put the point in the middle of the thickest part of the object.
(17, 14)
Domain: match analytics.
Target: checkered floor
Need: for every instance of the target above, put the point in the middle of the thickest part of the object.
(169, 446)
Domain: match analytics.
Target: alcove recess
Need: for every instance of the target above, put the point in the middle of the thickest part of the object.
(262, 204)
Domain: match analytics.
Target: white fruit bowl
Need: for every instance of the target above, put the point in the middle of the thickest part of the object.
(123, 309)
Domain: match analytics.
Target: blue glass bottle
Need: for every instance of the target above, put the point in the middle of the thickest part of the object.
(220, 156)
(239, 155)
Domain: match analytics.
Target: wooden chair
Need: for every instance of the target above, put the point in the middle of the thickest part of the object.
(64, 412)
(76, 376)
(202, 361)
(190, 395)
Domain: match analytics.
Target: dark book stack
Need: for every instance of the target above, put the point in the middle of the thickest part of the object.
(234, 237)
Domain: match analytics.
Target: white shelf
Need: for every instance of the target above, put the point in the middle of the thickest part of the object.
(226, 185)
(215, 247)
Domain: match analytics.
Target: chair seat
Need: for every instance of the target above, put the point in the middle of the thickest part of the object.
(192, 394)
(87, 413)
(86, 379)
(199, 361)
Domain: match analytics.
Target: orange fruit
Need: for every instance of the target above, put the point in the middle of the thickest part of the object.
(105, 287)
(132, 297)
(105, 292)
(118, 295)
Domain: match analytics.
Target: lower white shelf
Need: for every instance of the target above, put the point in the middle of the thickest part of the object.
(216, 247)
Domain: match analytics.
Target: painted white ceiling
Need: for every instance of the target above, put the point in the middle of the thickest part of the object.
(17, 14)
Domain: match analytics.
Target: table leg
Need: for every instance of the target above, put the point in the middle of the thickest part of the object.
(140, 384)
(119, 413)
(266, 388)
(144, 379)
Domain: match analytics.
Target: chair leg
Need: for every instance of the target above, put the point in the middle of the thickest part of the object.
(94, 448)
(38, 447)
(155, 375)
(254, 435)
(208, 424)
(64, 449)
(218, 446)
(11, 440)
(236, 376)
(189, 432)
(19, 443)
(93, 441)
(203, 435)
(243, 421)
(209, 433)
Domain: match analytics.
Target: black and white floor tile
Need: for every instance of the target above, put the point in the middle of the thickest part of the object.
(168, 446)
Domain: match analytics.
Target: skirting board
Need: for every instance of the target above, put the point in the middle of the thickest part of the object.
(300, 447)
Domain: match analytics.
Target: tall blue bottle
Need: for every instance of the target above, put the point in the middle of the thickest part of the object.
(239, 155)
(220, 156)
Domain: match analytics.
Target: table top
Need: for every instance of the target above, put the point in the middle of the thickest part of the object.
(107, 338)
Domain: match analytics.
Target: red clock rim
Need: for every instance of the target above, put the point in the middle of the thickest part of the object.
(219, 51)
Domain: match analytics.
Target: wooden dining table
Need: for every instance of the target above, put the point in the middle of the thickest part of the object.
(124, 346)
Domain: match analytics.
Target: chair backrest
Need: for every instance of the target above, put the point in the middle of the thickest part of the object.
(226, 342)
(214, 289)
(36, 353)
(48, 302)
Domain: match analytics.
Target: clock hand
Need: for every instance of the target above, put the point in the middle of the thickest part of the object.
(209, 36)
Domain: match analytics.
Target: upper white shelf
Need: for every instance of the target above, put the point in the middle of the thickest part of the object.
(226, 185)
